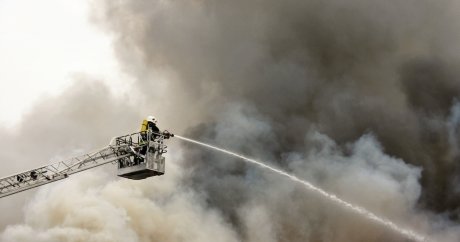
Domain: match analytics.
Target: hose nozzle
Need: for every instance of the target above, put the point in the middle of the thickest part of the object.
(167, 134)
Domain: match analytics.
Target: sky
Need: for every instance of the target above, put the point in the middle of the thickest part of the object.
(44, 45)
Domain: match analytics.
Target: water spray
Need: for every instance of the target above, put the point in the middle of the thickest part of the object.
(408, 233)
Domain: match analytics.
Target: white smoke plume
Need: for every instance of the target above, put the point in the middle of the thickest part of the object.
(93, 207)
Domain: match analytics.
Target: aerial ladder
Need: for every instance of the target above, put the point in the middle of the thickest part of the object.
(137, 155)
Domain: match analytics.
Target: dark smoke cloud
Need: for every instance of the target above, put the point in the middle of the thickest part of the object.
(346, 68)
(342, 68)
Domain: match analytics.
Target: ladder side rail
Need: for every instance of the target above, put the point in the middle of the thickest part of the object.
(97, 159)
(15, 186)
(60, 170)
(82, 160)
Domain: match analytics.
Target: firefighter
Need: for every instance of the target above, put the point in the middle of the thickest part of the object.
(149, 125)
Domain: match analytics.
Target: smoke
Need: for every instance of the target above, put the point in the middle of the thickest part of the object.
(58, 127)
(99, 209)
(358, 97)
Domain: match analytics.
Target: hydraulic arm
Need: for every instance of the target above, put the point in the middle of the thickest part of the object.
(129, 151)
